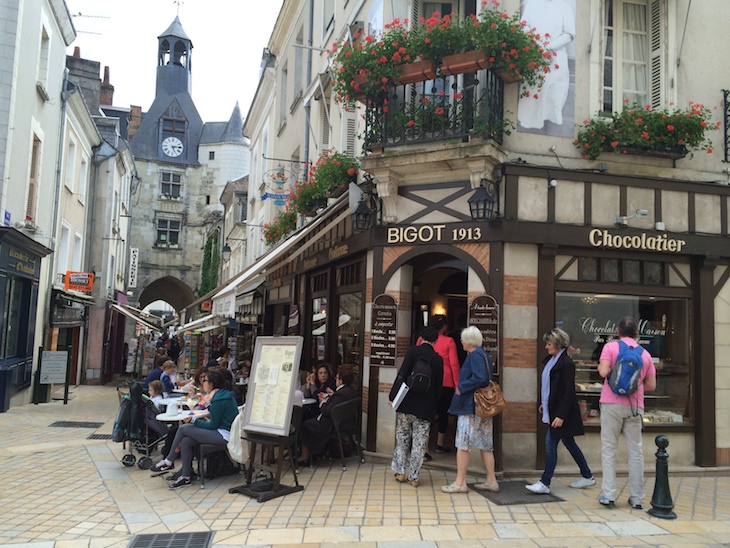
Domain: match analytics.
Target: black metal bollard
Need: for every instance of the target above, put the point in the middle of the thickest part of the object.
(661, 501)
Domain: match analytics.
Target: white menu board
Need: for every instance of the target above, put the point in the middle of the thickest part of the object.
(274, 378)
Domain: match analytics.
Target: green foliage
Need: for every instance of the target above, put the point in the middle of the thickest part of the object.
(211, 263)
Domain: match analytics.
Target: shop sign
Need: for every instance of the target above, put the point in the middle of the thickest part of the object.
(225, 306)
(644, 242)
(310, 264)
(133, 265)
(429, 234)
(54, 367)
(79, 281)
(383, 331)
(67, 313)
(338, 251)
(484, 314)
(206, 306)
(21, 262)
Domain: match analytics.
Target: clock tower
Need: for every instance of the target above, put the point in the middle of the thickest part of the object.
(171, 129)
(183, 166)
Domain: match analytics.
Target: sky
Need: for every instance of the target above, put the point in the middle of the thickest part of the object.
(228, 40)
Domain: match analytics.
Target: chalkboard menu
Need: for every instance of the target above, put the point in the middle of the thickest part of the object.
(484, 314)
(383, 331)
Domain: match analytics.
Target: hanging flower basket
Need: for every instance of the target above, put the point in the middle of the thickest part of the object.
(419, 71)
(461, 63)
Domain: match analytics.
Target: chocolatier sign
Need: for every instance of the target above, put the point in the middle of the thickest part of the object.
(484, 314)
(383, 331)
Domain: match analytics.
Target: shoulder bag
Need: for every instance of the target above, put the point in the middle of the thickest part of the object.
(489, 400)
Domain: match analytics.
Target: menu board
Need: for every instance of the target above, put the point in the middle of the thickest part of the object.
(274, 378)
(383, 332)
(484, 314)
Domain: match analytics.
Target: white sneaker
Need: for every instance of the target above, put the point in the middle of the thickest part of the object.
(539, 488)
(582, 483)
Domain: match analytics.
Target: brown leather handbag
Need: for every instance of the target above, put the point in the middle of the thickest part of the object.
(489, 400)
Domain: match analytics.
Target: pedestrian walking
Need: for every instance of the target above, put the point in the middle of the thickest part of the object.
(560, 411)
(623, 413)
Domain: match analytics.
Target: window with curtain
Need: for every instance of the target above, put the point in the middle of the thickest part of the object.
(632, 57)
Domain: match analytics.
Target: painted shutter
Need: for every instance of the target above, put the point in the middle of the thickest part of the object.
(657, 57)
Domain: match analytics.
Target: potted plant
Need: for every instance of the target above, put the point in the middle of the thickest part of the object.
(637, 129)
(333, 171)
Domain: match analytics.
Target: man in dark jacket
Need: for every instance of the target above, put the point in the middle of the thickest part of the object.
(415, 413)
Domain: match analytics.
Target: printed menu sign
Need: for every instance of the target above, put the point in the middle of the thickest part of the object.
(274, 377)
(383, 332)
(484, 314)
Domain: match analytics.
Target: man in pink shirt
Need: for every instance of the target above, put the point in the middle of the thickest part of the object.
(623, 413)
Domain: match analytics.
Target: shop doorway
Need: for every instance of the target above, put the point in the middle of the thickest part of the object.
(439, 288)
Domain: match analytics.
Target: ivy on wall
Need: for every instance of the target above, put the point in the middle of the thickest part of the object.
(211, 263)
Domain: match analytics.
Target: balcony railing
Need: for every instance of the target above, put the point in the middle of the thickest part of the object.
(446, 108)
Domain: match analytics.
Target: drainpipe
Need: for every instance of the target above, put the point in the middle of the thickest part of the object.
(65, 94)
(307, 108)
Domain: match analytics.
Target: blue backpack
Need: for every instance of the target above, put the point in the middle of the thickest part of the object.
(625, 376)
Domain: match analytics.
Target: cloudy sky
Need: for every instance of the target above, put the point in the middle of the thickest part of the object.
(228, 38)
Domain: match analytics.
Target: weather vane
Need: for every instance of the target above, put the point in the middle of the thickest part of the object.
(178, 3)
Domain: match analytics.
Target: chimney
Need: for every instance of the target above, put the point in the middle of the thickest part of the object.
(107, 90)
(77, 51)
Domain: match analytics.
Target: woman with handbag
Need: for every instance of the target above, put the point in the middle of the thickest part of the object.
(559, 409)
(472, 432)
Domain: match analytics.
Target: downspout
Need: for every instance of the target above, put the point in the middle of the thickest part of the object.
(307, 108)
(97, 159)
(65, 94)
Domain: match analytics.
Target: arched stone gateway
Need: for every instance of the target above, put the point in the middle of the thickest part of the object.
(170, 289)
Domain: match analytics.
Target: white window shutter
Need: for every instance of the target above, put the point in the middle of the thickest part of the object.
(658, 56)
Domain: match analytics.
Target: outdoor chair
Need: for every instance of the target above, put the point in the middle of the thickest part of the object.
(346, 421)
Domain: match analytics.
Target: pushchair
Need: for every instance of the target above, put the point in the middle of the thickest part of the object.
(137, 424)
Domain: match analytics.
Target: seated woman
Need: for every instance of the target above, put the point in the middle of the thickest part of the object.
(318, 381)
(315, 433)
(216, 430)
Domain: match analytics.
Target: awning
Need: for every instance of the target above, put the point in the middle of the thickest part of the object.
(130, 314)
(210, 328)
(197, 324)
(261, 264)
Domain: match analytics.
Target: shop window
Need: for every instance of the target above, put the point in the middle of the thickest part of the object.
(592, 320)
(348, 275)
(13, 319)
(610, 270)
(592, 269)
(319, 329)
(318, 282)
(633, 271)
(349, 326)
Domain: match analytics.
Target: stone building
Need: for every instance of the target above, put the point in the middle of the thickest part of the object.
(183, 165)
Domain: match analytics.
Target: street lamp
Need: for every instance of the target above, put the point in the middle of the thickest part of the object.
(482, 202)
(361, 217)
(226, 252)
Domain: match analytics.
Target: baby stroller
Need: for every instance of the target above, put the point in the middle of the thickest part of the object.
(137, 424)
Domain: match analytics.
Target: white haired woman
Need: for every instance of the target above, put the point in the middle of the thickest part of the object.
(471, 431)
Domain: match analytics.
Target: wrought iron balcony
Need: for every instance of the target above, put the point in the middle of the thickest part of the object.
(445, 108)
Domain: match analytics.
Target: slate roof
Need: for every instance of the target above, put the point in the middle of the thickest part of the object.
(175, 29)
(224, 132)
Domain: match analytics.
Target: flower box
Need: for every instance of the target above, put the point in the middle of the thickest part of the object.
(510, 77)
(460, 63)
(418, 71)
(675, 153)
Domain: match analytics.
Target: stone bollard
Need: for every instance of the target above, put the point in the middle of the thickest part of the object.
(661, 500)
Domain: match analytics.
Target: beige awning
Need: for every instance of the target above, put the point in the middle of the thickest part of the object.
(130, 314)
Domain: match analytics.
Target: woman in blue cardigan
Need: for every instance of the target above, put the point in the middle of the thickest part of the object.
(471, 431)
(216, 430)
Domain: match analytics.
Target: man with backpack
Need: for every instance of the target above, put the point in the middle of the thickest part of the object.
(628, 371)
(421, 372)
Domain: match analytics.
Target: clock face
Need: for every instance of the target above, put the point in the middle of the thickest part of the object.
(172, 146)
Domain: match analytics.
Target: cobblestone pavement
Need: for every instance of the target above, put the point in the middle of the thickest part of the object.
(61, 489)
